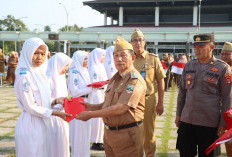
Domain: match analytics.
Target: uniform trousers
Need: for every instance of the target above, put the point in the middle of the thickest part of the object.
(149, 126)
(125, 142)
(190, 137)
(229, 149)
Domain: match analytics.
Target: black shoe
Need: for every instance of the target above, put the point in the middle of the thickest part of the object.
(97, 146)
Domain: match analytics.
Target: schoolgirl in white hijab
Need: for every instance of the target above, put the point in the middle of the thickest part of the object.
(78, 79)
(57, 66)
(109, 62)
(97, 73)
(32, 131)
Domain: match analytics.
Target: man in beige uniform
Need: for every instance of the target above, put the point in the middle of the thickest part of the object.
(123, 108)
(2, 62)
(226, 56)
(151, 69)
(204, 95)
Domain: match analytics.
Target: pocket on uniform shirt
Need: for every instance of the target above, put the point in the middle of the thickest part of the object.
(190, 79)
(210, 85)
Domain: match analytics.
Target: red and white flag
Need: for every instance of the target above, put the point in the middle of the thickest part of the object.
(165, 67)
(226, 137)
(177, 68)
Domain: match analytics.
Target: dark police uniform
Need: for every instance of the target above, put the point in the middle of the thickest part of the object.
(204, 95)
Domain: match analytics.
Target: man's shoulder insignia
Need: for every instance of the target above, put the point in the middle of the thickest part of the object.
(134, 75)
(130, 88)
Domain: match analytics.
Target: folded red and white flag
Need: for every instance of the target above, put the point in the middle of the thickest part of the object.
(73, 107)
(98, 84)
(177, 68)
(226, 137)
(228, 118)
(165, 67)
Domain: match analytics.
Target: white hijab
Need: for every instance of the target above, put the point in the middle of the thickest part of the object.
(55, 65)
(109, 62)
(37, 73)
(95, 65)
(77, 64)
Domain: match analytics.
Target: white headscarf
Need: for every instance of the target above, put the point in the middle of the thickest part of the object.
(109, 62)
(37, 73)
(55, 65)
(95, 65)
(77, 64)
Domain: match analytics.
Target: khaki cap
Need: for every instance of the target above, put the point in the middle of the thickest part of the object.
(137, 33)
(227, 46)
(122, 44)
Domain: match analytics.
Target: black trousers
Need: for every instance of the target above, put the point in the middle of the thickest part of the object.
(194, 138)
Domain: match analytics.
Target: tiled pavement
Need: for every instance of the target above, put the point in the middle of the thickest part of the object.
(165, 127)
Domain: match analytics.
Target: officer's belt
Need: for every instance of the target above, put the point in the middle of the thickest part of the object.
(122, 126)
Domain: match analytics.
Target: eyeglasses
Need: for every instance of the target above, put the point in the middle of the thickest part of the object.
(139, 40)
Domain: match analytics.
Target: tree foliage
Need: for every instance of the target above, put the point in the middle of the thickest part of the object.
(73, 28)
(47, 28)
(12, 24)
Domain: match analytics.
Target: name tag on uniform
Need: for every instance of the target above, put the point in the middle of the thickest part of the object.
(143, 73)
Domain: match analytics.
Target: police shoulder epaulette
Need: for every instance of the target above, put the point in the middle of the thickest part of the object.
(134, 75)
(23, 71)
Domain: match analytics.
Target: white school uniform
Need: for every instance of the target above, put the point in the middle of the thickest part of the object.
(97, 73)
(60, 128)
(77, 85)
(32, 131)
(109, 63)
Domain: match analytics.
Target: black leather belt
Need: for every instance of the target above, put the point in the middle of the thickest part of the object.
(122, 126)
(85, 96)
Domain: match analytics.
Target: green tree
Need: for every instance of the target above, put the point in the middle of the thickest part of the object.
(47, 28)
(12, 24)
(73, 28)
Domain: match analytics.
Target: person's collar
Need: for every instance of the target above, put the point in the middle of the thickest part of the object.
(126, 72)
(143, 54)
(211, 61)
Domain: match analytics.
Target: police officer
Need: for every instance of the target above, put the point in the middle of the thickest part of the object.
(226, 56)
(151, 69)
(123, 108)
(204, 95)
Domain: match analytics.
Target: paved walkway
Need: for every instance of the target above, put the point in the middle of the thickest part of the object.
(165, 127)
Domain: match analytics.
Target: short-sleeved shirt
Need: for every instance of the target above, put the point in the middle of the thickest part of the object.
(151, 69)
(205, 93)
(129, 89)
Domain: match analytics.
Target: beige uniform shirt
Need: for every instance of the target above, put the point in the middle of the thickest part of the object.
(205, 93)
(151, 69)
(128, 88)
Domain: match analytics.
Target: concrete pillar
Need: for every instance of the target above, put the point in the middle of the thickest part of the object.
(57, 46)
(105, 18)
(98, 44)
(68, 48)
(120, 16)
(18, 46)
(187, 48)
(194, 15)
(156, 48)
(156, 16)
(111, 20)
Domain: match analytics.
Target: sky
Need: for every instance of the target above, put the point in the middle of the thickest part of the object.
(38, 13)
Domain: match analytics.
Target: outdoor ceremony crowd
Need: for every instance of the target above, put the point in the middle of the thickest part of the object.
(122, 89)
